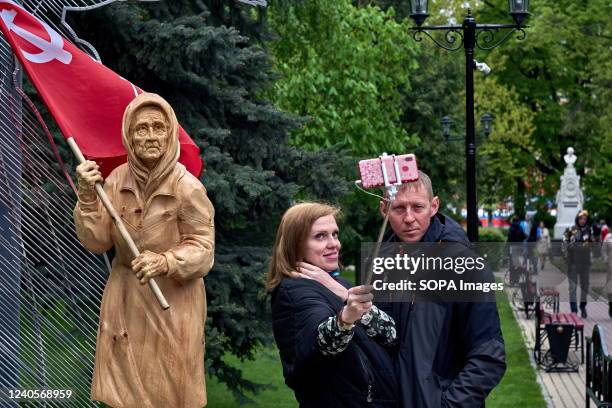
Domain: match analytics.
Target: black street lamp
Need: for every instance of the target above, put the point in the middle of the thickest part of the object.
(519, 10)
(470, 35)
(486, 121)
(446, 122)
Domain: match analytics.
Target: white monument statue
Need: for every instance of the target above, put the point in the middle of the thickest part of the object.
(569, 197)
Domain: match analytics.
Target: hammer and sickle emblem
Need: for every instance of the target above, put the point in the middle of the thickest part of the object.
(50, 50)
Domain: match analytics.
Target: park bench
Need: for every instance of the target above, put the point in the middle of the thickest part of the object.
(598, 370)
(562, 331)
(550, 297)
(523, 299)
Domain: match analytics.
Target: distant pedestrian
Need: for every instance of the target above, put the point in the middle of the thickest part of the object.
(578, 239)
(606, 250)
(597, 231)
(530, 245)
(526, 225)
(543, 243)
(515, 234)
(604, 229)
(596, 228)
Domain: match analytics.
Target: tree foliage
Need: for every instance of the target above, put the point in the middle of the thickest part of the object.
(561, 71)
(345, 68)
(504, 155)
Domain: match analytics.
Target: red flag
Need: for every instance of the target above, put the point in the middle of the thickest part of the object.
(86, 99)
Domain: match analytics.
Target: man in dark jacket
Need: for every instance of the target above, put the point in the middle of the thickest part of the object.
(578, 240)
(515, 232)
(451, 354)
(516, 236)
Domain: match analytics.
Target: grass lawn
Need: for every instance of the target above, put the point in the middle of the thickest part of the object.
(266, 369)
(517, 389)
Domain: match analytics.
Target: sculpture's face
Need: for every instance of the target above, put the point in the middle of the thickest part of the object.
(570, 151)
(150, 135)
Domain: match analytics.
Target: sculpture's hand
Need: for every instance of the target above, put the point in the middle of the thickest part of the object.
(88, 174)
(148, 265)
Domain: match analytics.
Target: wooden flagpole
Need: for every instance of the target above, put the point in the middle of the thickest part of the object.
(119, 224)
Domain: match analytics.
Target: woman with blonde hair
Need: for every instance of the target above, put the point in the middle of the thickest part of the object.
(331, 338)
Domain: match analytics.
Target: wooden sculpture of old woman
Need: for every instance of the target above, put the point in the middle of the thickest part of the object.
(145, 356)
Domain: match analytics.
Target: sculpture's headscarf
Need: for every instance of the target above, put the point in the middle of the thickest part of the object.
(149, 180)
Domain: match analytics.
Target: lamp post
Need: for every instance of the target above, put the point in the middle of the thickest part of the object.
(486, 120)
(470, 35)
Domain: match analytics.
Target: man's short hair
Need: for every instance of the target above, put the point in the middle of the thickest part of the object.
(422, 182)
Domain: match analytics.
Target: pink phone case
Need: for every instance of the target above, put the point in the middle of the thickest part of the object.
(408, 167)
(372, 175)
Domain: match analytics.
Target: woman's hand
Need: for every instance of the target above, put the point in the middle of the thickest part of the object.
(359, 302)
(148, 265)
(308, 271)
(88, 174)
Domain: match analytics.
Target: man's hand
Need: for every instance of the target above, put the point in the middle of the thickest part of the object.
(359, 302)
(88, 174)
(308, 271)
(148, 265)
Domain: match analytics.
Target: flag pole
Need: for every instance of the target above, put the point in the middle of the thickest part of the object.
(119, 224)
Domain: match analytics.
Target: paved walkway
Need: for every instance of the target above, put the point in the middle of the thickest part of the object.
(565, 390)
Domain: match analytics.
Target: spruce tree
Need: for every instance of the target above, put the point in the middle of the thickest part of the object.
(214, 76)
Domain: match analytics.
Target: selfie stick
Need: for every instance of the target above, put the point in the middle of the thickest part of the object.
(392, 190)
(119, 224)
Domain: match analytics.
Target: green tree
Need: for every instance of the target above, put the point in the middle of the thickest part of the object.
(503, 160)
(562, 72)
(504, 157)
(344, 68)
(191, 53)
(438, 91)
(440, 11)
(330, 42)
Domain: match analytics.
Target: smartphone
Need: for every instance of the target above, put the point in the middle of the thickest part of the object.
(372, 175)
